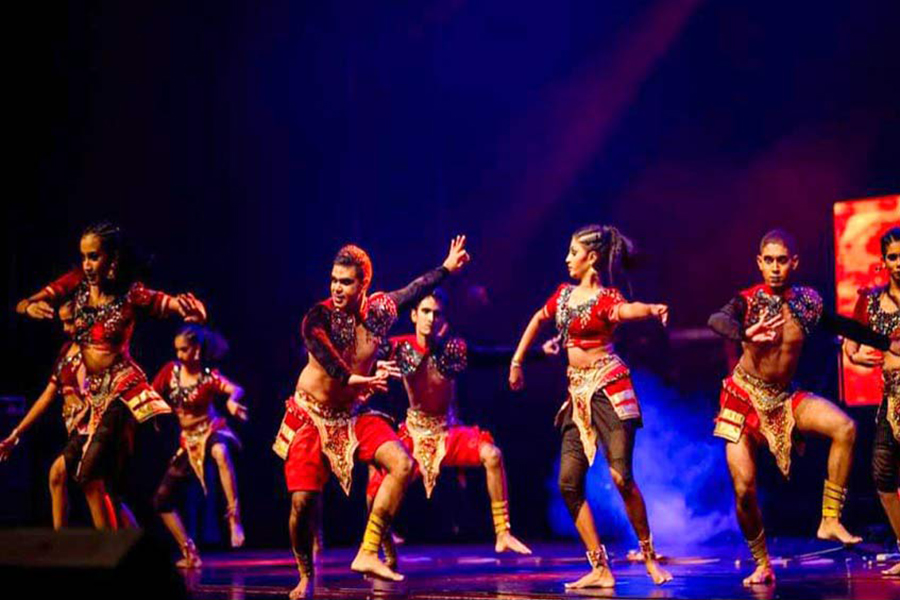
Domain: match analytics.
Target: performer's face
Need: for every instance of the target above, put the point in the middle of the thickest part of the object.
(579, 260)
(892, 261)
(94, 259)
(346, 287)
(776, 264)
(429, 317)
(185, 351)
(67, 318)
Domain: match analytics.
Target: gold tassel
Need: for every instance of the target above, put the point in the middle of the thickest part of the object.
(647, 548)
(598, 558)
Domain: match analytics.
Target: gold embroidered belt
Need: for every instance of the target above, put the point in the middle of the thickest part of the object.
(429, 435)
(337, 434)
(195, 438)
(125, 381)
(584, 382)
(773, 405)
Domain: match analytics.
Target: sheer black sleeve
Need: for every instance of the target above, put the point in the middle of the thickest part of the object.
(314, 330)
(418, 288)
(728, 321)
(838, 325)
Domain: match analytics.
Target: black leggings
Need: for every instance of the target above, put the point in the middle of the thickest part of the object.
(616, 439)
(112, 445)
(72, 453)
(885, 454)
(170, 492)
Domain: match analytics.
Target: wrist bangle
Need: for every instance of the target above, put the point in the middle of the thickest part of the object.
(515, 363)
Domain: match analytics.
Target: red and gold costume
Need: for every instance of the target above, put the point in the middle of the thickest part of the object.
(869, 312)
(592, 324)
(747, 403)
(310, 429)
(765, 409)
(68, 384)
(67, 377)
(431, 432)
(110, 327)
(201, 424)
(886, 447)
(601, 409)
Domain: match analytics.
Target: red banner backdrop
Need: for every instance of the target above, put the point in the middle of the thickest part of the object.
(858, 227)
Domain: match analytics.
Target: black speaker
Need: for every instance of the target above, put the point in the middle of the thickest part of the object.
(84, 563)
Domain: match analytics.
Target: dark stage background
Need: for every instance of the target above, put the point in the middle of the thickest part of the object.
(242, 144)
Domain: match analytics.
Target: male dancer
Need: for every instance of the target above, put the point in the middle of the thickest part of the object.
(430, 360)
(343, 335)
(772, 321)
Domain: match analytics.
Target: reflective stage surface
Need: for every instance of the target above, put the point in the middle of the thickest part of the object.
(806, 569)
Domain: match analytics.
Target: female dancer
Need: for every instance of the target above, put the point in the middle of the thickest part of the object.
(602, 407)
(108, 298)
(879, 308)
(191, 386)
(66, 382)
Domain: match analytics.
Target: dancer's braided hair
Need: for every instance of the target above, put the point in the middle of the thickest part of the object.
(128, 265)
(890, 236)
(213, 346)
(615, 252)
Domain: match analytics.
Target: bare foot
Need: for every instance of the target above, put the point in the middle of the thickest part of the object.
(237, 533)
(189, 562)
(893, 571)
(657, 573)
(761, 576)
(506, 541)
(368, 563)
(191, 558)
(597, 578)
(832, 529)
(304, 589)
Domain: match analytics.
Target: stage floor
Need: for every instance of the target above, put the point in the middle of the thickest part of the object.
(806, 569)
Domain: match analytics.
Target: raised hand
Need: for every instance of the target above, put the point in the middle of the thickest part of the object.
(387, 369)
(7, 445)
(238, 410)
(764, 330)
(516, 378)
(457, 257)
(39, 310)
(551, 347)
(661, 312)
(867, 356)
(367, 385)
(190, 308)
